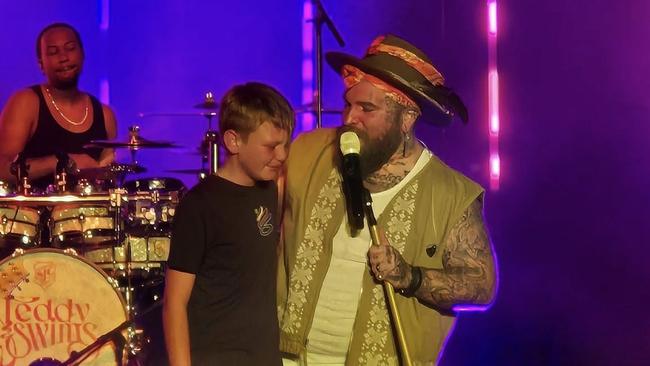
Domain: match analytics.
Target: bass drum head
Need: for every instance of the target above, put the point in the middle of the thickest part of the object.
(53, 303)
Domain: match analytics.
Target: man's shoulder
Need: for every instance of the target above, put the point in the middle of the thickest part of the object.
(318, 136)
(25, 95)
(310, 144)
(443, 174)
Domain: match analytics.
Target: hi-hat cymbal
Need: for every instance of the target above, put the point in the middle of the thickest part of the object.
(110, 171)
(134, 143)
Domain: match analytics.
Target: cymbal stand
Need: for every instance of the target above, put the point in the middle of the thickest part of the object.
(210, 146)
(321, 17)
(134, 136)
(212, 140)
(119, 196)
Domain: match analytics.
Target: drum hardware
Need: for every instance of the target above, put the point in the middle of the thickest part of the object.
(212, 140)
(64, 172)
(311, 108)
(210, 143)
(321, 17)
(20, 169)
(200, 172)
(116, 202)
(209, 147)
(208, 103)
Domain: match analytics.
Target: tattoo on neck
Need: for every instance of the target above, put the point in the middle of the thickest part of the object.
(394, 171)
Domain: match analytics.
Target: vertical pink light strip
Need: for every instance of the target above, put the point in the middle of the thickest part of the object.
(104, 22)
(493, 97)
(307, 119)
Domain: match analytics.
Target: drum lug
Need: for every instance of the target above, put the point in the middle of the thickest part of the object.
(118, 197)
(70, 251)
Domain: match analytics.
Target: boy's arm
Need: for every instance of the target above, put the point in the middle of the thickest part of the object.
(178, 288)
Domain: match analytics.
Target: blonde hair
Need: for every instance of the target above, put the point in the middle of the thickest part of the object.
(246, 106)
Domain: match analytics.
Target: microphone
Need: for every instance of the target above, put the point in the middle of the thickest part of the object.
(352, 184)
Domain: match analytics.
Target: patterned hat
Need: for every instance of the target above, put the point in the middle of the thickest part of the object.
(407, 69)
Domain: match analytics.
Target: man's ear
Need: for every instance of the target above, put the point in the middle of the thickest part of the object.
(409, 117)
(232, 141)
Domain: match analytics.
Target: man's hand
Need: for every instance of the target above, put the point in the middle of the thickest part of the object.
(84, 161)
(387, 264)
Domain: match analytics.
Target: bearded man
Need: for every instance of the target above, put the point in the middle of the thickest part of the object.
(434, 250)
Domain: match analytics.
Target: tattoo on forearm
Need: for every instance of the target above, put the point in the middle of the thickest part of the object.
(468, 275)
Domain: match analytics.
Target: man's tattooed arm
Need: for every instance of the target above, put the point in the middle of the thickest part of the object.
(468, 275)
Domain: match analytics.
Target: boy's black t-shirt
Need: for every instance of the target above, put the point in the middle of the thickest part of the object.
(227, 234)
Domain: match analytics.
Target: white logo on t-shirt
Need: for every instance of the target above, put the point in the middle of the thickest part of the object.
(263, 217)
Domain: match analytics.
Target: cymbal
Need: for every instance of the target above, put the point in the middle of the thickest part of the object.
(134, 143)
(111, 171)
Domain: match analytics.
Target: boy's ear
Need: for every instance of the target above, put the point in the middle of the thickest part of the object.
(231, 141)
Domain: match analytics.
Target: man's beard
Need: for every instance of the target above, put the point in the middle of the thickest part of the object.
(375, 153)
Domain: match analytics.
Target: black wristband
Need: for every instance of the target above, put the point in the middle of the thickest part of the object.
(416, 282)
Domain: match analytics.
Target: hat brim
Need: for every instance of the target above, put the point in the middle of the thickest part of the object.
(432, 100)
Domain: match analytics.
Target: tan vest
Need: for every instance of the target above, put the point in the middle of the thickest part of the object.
(418, 217)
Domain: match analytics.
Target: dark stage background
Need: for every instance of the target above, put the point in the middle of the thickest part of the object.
(570, 221)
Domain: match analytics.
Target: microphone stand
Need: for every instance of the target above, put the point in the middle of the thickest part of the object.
(321, 17)
(388, 288)
(114, 335)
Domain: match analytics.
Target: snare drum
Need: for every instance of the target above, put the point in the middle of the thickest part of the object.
(19, 226)
(55, 302)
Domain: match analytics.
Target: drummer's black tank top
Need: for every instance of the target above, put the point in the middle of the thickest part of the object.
(50, 138)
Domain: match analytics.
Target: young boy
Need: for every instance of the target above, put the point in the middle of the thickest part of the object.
(219, 304)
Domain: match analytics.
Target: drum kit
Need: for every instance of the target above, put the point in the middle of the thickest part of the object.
(85, 258)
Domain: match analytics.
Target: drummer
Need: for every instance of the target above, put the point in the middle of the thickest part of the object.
(55, 117)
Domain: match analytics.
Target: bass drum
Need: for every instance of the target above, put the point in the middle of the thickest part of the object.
(54, 303)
